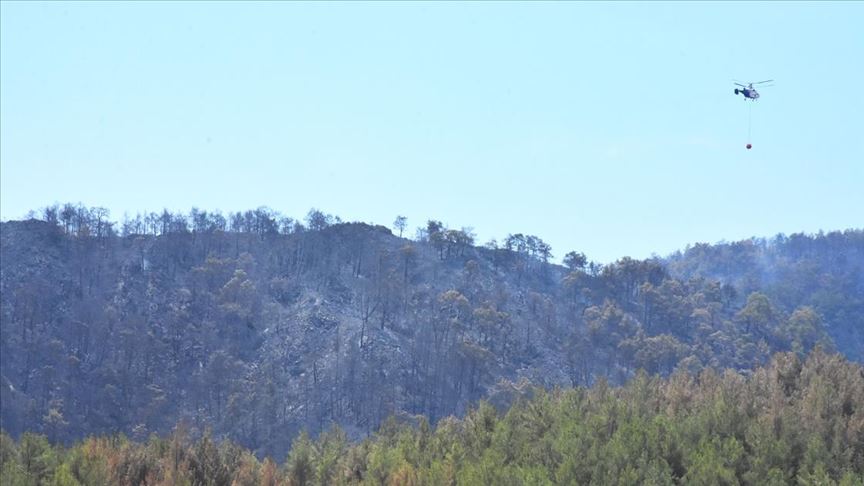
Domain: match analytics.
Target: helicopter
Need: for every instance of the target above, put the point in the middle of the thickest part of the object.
(749, 91)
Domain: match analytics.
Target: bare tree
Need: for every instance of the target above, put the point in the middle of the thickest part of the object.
(401, 223)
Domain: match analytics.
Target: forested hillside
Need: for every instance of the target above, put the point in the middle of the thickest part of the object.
(791, 422)
(259, 326)
(824, 271)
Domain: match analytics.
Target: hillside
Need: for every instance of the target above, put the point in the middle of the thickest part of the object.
(792, 421)
(824, 271)
(258, 326)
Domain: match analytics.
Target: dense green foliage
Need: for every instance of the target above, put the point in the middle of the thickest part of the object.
(790, 422)
(260, 326)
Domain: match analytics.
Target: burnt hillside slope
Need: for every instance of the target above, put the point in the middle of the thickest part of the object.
(258, 333)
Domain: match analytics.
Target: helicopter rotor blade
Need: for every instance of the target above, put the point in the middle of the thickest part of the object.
(766, 81)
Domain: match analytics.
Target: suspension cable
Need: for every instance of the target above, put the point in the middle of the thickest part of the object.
(749, 120)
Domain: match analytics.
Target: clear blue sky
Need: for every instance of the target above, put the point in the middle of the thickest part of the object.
(609, 128)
